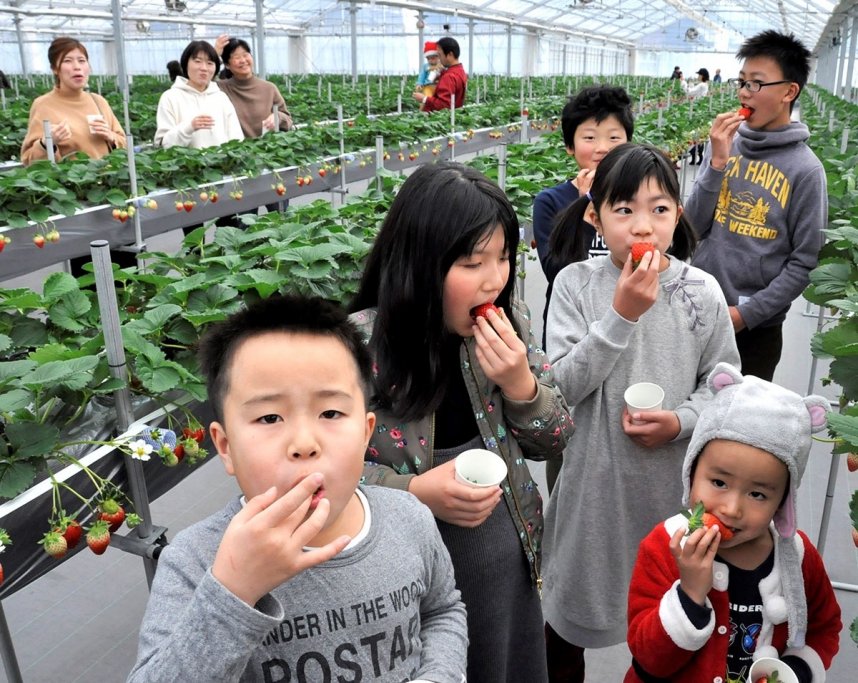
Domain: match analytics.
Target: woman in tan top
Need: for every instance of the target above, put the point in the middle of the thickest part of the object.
(252, 97)
(81, 121)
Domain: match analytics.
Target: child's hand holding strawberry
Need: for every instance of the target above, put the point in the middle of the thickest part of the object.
(694, 558)
(637, 287)
(263, 546)
(503, 356)
(721, 135)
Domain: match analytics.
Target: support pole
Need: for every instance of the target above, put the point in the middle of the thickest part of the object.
(353, 12)
(21, 52)
(7, 650)
(121, 71)
(108, 309)
(259, 56)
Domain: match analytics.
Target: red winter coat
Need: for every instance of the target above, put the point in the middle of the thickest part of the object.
(666, 644)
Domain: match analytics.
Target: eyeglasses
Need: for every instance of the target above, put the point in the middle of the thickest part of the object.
(751, 86)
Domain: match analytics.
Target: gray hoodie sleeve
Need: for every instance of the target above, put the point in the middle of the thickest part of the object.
(573, 343)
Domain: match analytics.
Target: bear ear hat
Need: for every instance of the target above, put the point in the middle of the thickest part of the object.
(817, 408)
(723, 375)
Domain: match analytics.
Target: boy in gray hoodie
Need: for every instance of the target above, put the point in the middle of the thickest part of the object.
(760, 202)
(307, 576)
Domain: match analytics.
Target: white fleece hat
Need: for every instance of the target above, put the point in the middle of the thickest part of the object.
(752, 411)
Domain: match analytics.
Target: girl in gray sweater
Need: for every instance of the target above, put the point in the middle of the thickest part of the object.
(612, 324)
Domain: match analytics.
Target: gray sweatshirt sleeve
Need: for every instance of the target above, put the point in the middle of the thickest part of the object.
(196, 630)
(573, 344)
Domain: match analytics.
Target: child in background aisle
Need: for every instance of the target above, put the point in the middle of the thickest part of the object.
(593, 122)
(447, 382)
(609, 326)
(300, 579)
(760, 200)
(430, 71)
(705, 604)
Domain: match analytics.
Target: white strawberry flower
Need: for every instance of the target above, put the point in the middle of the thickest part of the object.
(140, 450)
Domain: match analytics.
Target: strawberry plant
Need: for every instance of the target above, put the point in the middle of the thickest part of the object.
(833, 281)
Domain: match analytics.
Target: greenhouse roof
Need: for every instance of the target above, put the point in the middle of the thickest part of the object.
(715, 25)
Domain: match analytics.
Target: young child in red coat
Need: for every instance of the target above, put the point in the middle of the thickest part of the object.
(705, 605)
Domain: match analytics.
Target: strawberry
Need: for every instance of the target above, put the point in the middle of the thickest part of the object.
(53, 236)
(112, 513)
(699, 518)
(179, 452)
(213, 197)
(39, 241)
(55, 545)
(852, 461)
(745, 112)
(638, 251)
(71, 530)
(188, 205)
(1, 574)
(855, 536)
(3, 242)
(180, 206)
(204, 196)
(770, 678)
(98, 537)
(483, 310)
(322, 172)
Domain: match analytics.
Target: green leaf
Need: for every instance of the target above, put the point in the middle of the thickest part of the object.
(157, 378)
(29, 333)
(31, 439)
(159, 315)
(15, 369)
(831, 278)
(68, 311)
(16, 477)
(844, 427)
(73, 374)
(109, 385)
(5, 342)
(16, 399)
(58, 285)
(20, 299)
(116, 197)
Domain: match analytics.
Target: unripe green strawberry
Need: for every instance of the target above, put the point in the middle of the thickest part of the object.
(55, 545)
(98, 537)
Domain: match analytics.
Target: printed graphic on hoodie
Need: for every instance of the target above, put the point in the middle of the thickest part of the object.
(745, 213)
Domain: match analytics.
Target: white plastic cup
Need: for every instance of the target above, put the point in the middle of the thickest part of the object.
(765, 666)
(479, 467)
(643, 396)
(93, 117)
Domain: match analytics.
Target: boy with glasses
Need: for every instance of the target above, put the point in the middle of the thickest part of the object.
(760, 201)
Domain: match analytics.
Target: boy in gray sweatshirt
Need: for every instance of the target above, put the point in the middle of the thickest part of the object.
(307, 576)
(760, 202)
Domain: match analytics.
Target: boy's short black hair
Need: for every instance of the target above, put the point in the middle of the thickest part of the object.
(789, 53)
(279, 313)
(596, 102)
(448, 45)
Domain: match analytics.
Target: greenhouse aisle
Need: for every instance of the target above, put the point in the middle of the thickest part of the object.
(79, 623)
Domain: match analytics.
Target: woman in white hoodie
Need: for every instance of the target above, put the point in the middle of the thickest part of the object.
(194, 112)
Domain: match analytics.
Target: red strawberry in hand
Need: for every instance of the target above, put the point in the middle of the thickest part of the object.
(638, 251)
(483, 310)
(699, 518)
(745, 112)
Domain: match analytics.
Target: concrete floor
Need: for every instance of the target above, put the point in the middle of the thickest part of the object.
(79, 622)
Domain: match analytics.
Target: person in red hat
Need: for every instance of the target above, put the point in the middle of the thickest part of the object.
(453, 82)
(430, 71)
